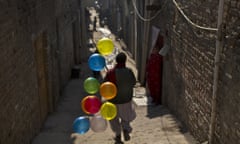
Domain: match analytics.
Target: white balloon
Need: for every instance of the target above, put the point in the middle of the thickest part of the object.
(98, 124)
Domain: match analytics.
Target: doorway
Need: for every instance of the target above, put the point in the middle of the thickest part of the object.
(40, 47)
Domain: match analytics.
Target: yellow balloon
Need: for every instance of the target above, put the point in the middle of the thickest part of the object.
(105, 46)
(108, 90)
(108, 111)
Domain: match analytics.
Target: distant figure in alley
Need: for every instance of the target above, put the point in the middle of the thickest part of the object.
(125, 80)
(154, 72)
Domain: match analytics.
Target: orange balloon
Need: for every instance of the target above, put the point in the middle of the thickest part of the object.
(108, 90)
(82, 105)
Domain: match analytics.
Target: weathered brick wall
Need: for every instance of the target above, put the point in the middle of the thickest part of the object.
(191, 57)
(188, 68)
(228, 112)
(67, 15)
(21, 23)
(19, 116)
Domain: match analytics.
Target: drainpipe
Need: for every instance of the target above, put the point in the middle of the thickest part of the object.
(135, 34)
(219, 46)
(144, 52)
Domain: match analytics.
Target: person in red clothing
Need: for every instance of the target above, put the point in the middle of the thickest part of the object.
(154, 72)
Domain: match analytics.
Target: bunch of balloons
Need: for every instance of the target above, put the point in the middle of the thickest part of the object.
(100, 111)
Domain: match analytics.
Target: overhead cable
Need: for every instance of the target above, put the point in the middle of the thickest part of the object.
(192, 23)
(179, 9)
(146, 19)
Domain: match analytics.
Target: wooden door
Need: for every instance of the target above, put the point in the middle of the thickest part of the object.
(40, 55)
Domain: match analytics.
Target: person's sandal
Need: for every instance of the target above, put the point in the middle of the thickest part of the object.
(126, 135)
(118, 140)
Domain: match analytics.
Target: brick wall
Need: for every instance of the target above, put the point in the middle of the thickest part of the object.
(188, 68)
(191, 63)
(228, 118)
(22, 22)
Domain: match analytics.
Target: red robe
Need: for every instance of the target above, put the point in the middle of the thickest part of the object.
(154, 77)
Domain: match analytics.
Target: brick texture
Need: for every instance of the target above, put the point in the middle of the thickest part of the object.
(228, 118)
(188, 68)
(21, 24)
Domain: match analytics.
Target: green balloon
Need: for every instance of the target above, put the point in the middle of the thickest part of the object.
(91, 85)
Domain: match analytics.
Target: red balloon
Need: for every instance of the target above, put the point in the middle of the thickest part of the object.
(91, 104)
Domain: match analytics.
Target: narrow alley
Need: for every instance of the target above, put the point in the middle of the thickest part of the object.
(153, 125)
(183, 57)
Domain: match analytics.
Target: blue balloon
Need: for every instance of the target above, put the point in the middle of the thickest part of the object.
(81, 124)
(96, 62)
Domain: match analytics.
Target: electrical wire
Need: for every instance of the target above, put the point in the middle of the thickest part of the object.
(192, 23)
(179, 9)
(147, 19)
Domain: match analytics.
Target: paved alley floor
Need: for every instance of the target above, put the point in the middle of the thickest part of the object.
(153, 125)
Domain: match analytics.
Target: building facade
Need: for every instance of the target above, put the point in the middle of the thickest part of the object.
(40, 43)
(190, 75)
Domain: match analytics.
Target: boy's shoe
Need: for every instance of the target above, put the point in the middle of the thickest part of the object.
(126, 135)
(118, 142)
(118, 139)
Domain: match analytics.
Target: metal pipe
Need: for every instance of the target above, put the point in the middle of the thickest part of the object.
(219, 46)
(144, 52)
(135, 35)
